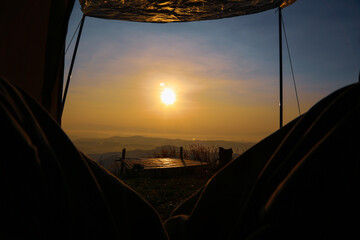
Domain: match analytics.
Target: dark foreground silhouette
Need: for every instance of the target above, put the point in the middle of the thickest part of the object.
(300, 182)
(51, 190)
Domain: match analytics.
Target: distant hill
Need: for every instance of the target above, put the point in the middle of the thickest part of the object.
(139, 146)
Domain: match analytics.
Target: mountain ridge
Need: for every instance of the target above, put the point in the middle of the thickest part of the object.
(132, 143)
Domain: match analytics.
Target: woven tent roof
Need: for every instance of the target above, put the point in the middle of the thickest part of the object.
(165, 11)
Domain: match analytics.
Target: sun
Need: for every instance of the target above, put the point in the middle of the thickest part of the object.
(168, 96)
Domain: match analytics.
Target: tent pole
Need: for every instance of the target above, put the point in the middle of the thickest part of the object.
(72, 65)
(281, 70)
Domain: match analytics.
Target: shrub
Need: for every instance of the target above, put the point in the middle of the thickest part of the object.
(197, 152)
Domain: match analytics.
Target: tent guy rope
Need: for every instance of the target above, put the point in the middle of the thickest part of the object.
(291, 66)
(72, 65)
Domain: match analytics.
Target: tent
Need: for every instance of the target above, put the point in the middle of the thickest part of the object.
(300, 182)
(176, 11)
(35, 32)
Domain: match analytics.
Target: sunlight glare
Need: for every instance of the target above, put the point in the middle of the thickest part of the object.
(168, 96)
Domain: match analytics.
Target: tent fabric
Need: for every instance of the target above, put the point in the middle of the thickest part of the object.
(32, 48)
(301, 182)
(176, 10)
(50, 190)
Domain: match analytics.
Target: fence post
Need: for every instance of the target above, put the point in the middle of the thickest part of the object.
(181, 153)
(225, 156)
(123, 154)
(122, 166)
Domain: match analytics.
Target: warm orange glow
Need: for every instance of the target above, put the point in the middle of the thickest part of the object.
(168, 96)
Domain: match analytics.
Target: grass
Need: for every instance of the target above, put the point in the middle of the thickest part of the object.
(194, 152)
(166, 194)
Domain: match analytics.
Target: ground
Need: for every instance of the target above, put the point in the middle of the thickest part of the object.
(168, 193)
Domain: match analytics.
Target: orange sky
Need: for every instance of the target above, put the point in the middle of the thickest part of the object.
(207, 105)
(224, 74)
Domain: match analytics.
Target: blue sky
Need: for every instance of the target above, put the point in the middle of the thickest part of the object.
(224, 72)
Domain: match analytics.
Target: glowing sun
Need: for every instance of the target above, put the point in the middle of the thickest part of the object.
(168, 96)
